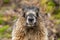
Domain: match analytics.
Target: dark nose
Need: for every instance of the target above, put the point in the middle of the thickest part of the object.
(31, 19)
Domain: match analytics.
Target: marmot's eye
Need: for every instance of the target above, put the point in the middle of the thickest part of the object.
(37, 14)
(23, 14)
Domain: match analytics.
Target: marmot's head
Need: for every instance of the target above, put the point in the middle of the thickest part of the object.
(30, 14)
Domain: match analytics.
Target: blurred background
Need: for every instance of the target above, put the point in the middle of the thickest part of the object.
(7, 16)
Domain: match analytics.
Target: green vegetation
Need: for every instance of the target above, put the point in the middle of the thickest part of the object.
(50, 6)
(1, 20)
(57, 14)
(4, 33)
(6, 1)
(58, 38)
(4, 28)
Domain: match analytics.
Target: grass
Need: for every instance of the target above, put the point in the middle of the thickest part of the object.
(50, 6)
(6, 1)
(58, 38)
(4, 28)
(1, 20)
(4, 33)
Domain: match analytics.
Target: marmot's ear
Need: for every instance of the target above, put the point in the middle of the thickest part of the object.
(23, 11)
(37, 9)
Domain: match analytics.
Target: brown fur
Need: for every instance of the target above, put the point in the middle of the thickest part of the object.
(21, 32)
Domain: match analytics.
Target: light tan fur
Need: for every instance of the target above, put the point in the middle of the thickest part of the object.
(20, 31)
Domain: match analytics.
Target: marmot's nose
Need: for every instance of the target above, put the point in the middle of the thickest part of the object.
(31, 19)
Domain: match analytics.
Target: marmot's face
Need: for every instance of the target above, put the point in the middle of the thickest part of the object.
(31, 15)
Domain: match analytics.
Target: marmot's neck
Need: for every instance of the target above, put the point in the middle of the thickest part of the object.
(33, 30)
(35, 33)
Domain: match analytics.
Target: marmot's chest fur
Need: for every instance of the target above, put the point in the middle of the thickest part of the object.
(34, 34)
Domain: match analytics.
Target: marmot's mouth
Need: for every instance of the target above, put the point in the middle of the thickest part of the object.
(30, 25)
